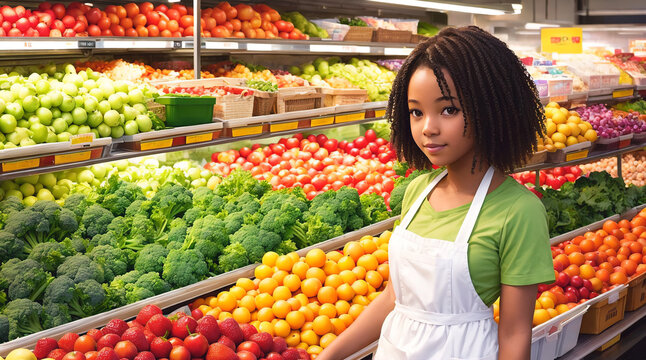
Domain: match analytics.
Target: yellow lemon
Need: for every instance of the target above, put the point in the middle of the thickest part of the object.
(571, 140)
(559, 145)
(591, 135)
(550, 127)
(559, 137)
(564, 129)
(574, 129)
(553, 104)
(559, 118)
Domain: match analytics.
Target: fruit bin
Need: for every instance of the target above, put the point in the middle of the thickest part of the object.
(636, 297)
(334, 97)
(605, 310)
(578, 232)
(233, 106)
(639, 138)
(537, 158)
(174, 299)
(171, 137)
(183, 111)
(572, 152)
(298, 99)
(558, 335)
(359, 33)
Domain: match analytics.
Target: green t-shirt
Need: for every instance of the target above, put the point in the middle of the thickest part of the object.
(510, 241)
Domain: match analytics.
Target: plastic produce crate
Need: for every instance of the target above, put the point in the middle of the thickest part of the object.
(636, 297)
(558, 335)
(605, 310)
(183, 111)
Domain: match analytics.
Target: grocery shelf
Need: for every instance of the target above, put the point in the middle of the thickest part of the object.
(31, 46)
(163, 140)
(617, 93)
(589, 343)
(177, 297)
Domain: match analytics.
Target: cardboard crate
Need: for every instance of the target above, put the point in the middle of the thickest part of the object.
(636, 297)
(334, 97)
(606, 312)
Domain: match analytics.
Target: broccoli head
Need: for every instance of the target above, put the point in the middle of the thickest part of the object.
(151, 258)
(233, 222)
(208, 236)
(96, 220)
(282, 220)
(41, 222)
(174, 239)
(59, 291)
(55, 314)
(89, 299)
(375, 209)
(8, 272)
(139, 207)
(144, 227)
(74, 244)
(77, 203)
(192, 214)
(80, 268)
(117, 195)
(152, 282)
(30, 282)
(315, 230)
(116, 291)
(169, 202)
(24, 318)
(233, 257)
(114, 261)
(184, 267)
(4, 328)
(286, 247)
(256, 241)
(246, 203)
(277, 199)
(7, 206)
(11, 247)
(50, 255)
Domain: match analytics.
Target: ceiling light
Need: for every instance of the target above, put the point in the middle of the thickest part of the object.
(537, 26)
(432, 5)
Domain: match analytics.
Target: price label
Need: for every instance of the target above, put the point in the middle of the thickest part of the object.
(576, 155)
(283, 126)
(323, 121)
(248, 130)
(221, 45)
(623, 93)
(561, 98)
(177, 44)
(156, 144)
(82, 138)
(380, 113)
(20, 165)
(398, 51)
(562, 40)
(86, 44)
(72, 157)
(198, 138)
(350, 117)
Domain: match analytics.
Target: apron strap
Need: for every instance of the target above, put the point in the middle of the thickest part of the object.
(418, 202)
(474, 210)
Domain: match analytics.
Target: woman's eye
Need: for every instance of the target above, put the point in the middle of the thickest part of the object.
(450, 110)
(415, 113)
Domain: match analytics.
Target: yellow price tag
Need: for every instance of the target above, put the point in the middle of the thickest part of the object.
(380, 113)
(576, 155)
(82, 138)
(562, 40)
(284, 126)
(350, 117)
(156, 144)
(72, 157)
(20, 165)
(192, 139)
(248, 130)
(623, 93)
(323, 121)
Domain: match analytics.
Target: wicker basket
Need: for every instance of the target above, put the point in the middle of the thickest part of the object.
(264, 102)
(298, 99)
(392, 36)
(359, 33)
(158, 109)
(416, 38)
(233, 107)
(334, 97)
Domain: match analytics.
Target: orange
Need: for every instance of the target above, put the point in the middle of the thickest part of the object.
(294, 256)
(360, 287)
(345, 292)
(327, 340)
(348, 276)
(292, 282)
(263, 271)
(586, 271)
(331, 268)
(310, 287)
(369, 246)
(248, 302)
(540, 316)
(201, 301)
(204, 309)
(342, 307)
(293, 339)
(300, 269)
(322, 325)
(279, 276)
(384, 271)
(561, 308)
(211, 301)
(328, 310)
(308, 313)
(226, 301)
(610, 225)
(355, 310)
(296, 319)
(587, 245)
(368, 262)
(214, 312)
(373, 296)
(315, 307)
(552, 312)
(374, 279)
(572, 270)
(334, 256)
(354, 250)
(302, 298)
(333, 280)
(381, 255)
(294, 303)
(360, 272)
(264, 301)
(269, 259)
(284, 262)
(309, 337)
(546, 302)
(266, 314)
(346, 263)
(224, 315)
(597, 284)
(361, 300)
(347, 319)
(241, 315)
(267, 327)
(315, 258)
(576, 258)
(316, 273)
(282, 328)
(282, 293)
(238, 292)
(327, 294)
(267, 285)
(339, 326)
(281, 308)
(617, 278)
(571, 248)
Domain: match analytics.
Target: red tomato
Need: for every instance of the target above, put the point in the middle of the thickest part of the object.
(360, 142)
(186, 21)
(139, 20)
(371, 135)
(132, 9)
(319, 181)
(153, 30)
(152, 17)
(173, 14)
(292, 143)
(388, 184)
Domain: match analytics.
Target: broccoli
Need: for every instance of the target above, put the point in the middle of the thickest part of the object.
(24, 318)
(96, 220)
(3, 299)
(50, 255)
(117, 195)
(143, 227)
(170, 201)
(135, 294)
(114, 261)
(55, 314)
(89, 299)
(208, 236)
(314, 230)
(116, 291)
(374, 207)
(233, 257)
(120, 226)
(184, 267)
(75, 244)
(30, 282)
(80, 268)
(239, 182)
(397, 195)
(192, 214)
(246, 204)
(59, 291)
(139, 207)
(7, 206)
(174, 239)
(256, 241)
(41, 222)
(150, 281)
(77, 203)
(202, 197)
(276, 200)
(4, 328)
(151, 258)
(233, 222)
(282, 221)
(8, 272)
(286, 247)
(11, 247)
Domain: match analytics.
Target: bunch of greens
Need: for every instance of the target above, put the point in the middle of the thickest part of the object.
(262, 85)
(352, 22)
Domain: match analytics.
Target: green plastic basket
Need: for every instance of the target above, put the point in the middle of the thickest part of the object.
(184, 111)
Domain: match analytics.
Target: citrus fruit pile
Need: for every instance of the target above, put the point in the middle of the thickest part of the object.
(564, 128)
(307, 300)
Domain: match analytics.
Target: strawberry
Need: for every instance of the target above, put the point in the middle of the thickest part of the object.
(227, 342)
(44, 346)
(160, 347)
(159, 325)
(280, 345)
(303, 354)
(67, 342)
(145, 355)
(265, 340)
(137, 337)
(248, 330)
(149, 335)
(107, 354)
(231, 329)
(95, 334)
(108, 340)
(184, 326)
(291, 354)
(147, 312)
(115, 326)
(135, 323)
(208, 326)
(57, 354)
(219, 351)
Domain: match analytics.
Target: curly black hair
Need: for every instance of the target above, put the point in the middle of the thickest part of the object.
(497, 95)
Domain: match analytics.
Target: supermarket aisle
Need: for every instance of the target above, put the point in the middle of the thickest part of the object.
(632, 345)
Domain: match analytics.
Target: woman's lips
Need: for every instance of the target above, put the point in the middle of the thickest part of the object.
(434, 148)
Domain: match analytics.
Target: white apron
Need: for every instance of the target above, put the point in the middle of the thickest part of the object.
(438, 313)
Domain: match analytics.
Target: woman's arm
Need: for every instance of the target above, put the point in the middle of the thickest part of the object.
(364, 330)
(515, 327)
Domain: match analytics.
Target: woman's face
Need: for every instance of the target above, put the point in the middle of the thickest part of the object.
(436, 123)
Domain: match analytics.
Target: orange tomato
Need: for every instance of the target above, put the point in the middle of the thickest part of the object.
(630, 267)
(611, 241)
(636, 257)
(576, 258)
(641, 268)
(614, 261)
(563, 259)
(609, 225)
(638, 230)
(571, 248)
(572, 270)
(132, 9)
(139, 20)
(618, 278)
(636, 247)
(587, 245)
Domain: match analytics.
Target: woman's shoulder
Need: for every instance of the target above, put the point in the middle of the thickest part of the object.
(416, 186)
(516, 196)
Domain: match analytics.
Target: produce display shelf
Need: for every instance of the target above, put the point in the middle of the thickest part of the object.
(12, 46)
(616, 94)
(172, 140)
(174, 298)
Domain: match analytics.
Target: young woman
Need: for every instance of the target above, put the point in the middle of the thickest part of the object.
(469, 233)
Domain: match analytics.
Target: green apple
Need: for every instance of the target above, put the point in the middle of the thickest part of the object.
(104, 130)
(39, 133)
(111, 118)
(90, 103)
(97, 93)
(94, 118)
(69, 119)
(73, 129)
(131, 128)
(144, 123)
(68, 103)
(116, 101)
(79, 116)
(64, 136)
(44, 115)
(15, 109)
(59, 125)
(84, 129)
(117, 132)
(45, 101)
(8, 123)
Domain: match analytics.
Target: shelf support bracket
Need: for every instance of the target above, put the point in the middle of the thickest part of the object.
(197, 39)
(619, 172)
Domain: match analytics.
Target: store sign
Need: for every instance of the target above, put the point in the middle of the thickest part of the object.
(562, 40)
